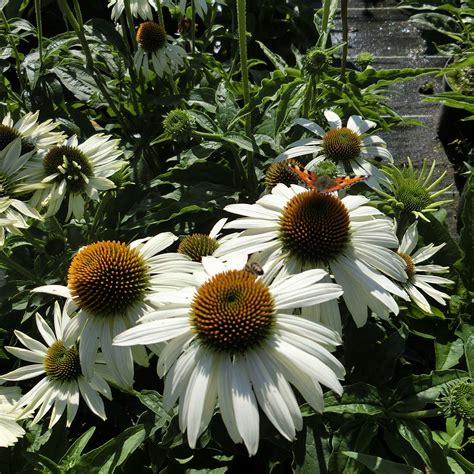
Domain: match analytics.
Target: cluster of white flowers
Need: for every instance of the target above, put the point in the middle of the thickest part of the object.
(40, 168)
(241, 320)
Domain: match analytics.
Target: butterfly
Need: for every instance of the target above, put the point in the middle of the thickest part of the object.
(325, 184)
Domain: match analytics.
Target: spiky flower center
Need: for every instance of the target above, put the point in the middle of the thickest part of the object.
(341, 144)
(316, 60)
(4, 186)
(70, 164)
(61, 362)
(280, 173)
(315, 227)
(326, 168)
(197, 246)
(413, 195)
(462, 396)
(151, 36)
(8, 134)
(108, 278)
(179, 124)
(233, 312)
(410, 268)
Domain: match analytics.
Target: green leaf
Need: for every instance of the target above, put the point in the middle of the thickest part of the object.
(381, 466)
(311, 448)
(448, 355)
(37, 458)
(154, 401)
(360, 398)
(73, 454)
(106, 458)
(469, 354)
(373, 79)
(241, 141)
(356, 436)
(415, 391)
(420, 438)
(465, 240)
(275, 59)
(77, 80)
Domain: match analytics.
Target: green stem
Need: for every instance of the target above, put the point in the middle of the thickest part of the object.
(78, 27)
(461, 460)
(403, 222)
(160, 13)
(418, 414)
(131, 68)
(98, 215)
(345, 36)
(15, 51)
(10, 264)
(323, 39)
(131, 28)
(241, 25)
(208, 136)
(241, 22)
(39, 29)
(308, 97)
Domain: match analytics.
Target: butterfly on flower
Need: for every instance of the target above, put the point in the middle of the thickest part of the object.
(325, 184)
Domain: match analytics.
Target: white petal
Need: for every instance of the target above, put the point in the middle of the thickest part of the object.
(311, 126)
(23, 373)
(153, 332)
(357, 124)
(245, 405)
(57, 290)
(333, 119)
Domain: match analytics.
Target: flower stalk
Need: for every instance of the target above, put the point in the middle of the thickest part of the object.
(241, 25)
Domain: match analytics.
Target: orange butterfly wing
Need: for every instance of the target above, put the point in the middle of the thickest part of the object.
(342, 182)
(325, 184)
(306, 176)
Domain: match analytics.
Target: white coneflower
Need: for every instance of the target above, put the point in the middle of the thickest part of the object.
(233, 338)
(348, 146)
(139, 8)
(63, 382)
(155, 45)
(10, 430)
(75, 171)
(199, 5)
(114, 284)
(419, 276)
(297, 229)
(33, 135)
(13, 209)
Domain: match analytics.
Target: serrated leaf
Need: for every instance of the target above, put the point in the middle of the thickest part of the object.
(106, 458)
(415, 391)
(379, 465)
(448, 355)
(360, 398)
(420, 438)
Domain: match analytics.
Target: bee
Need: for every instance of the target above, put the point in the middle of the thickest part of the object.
(254, 268)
